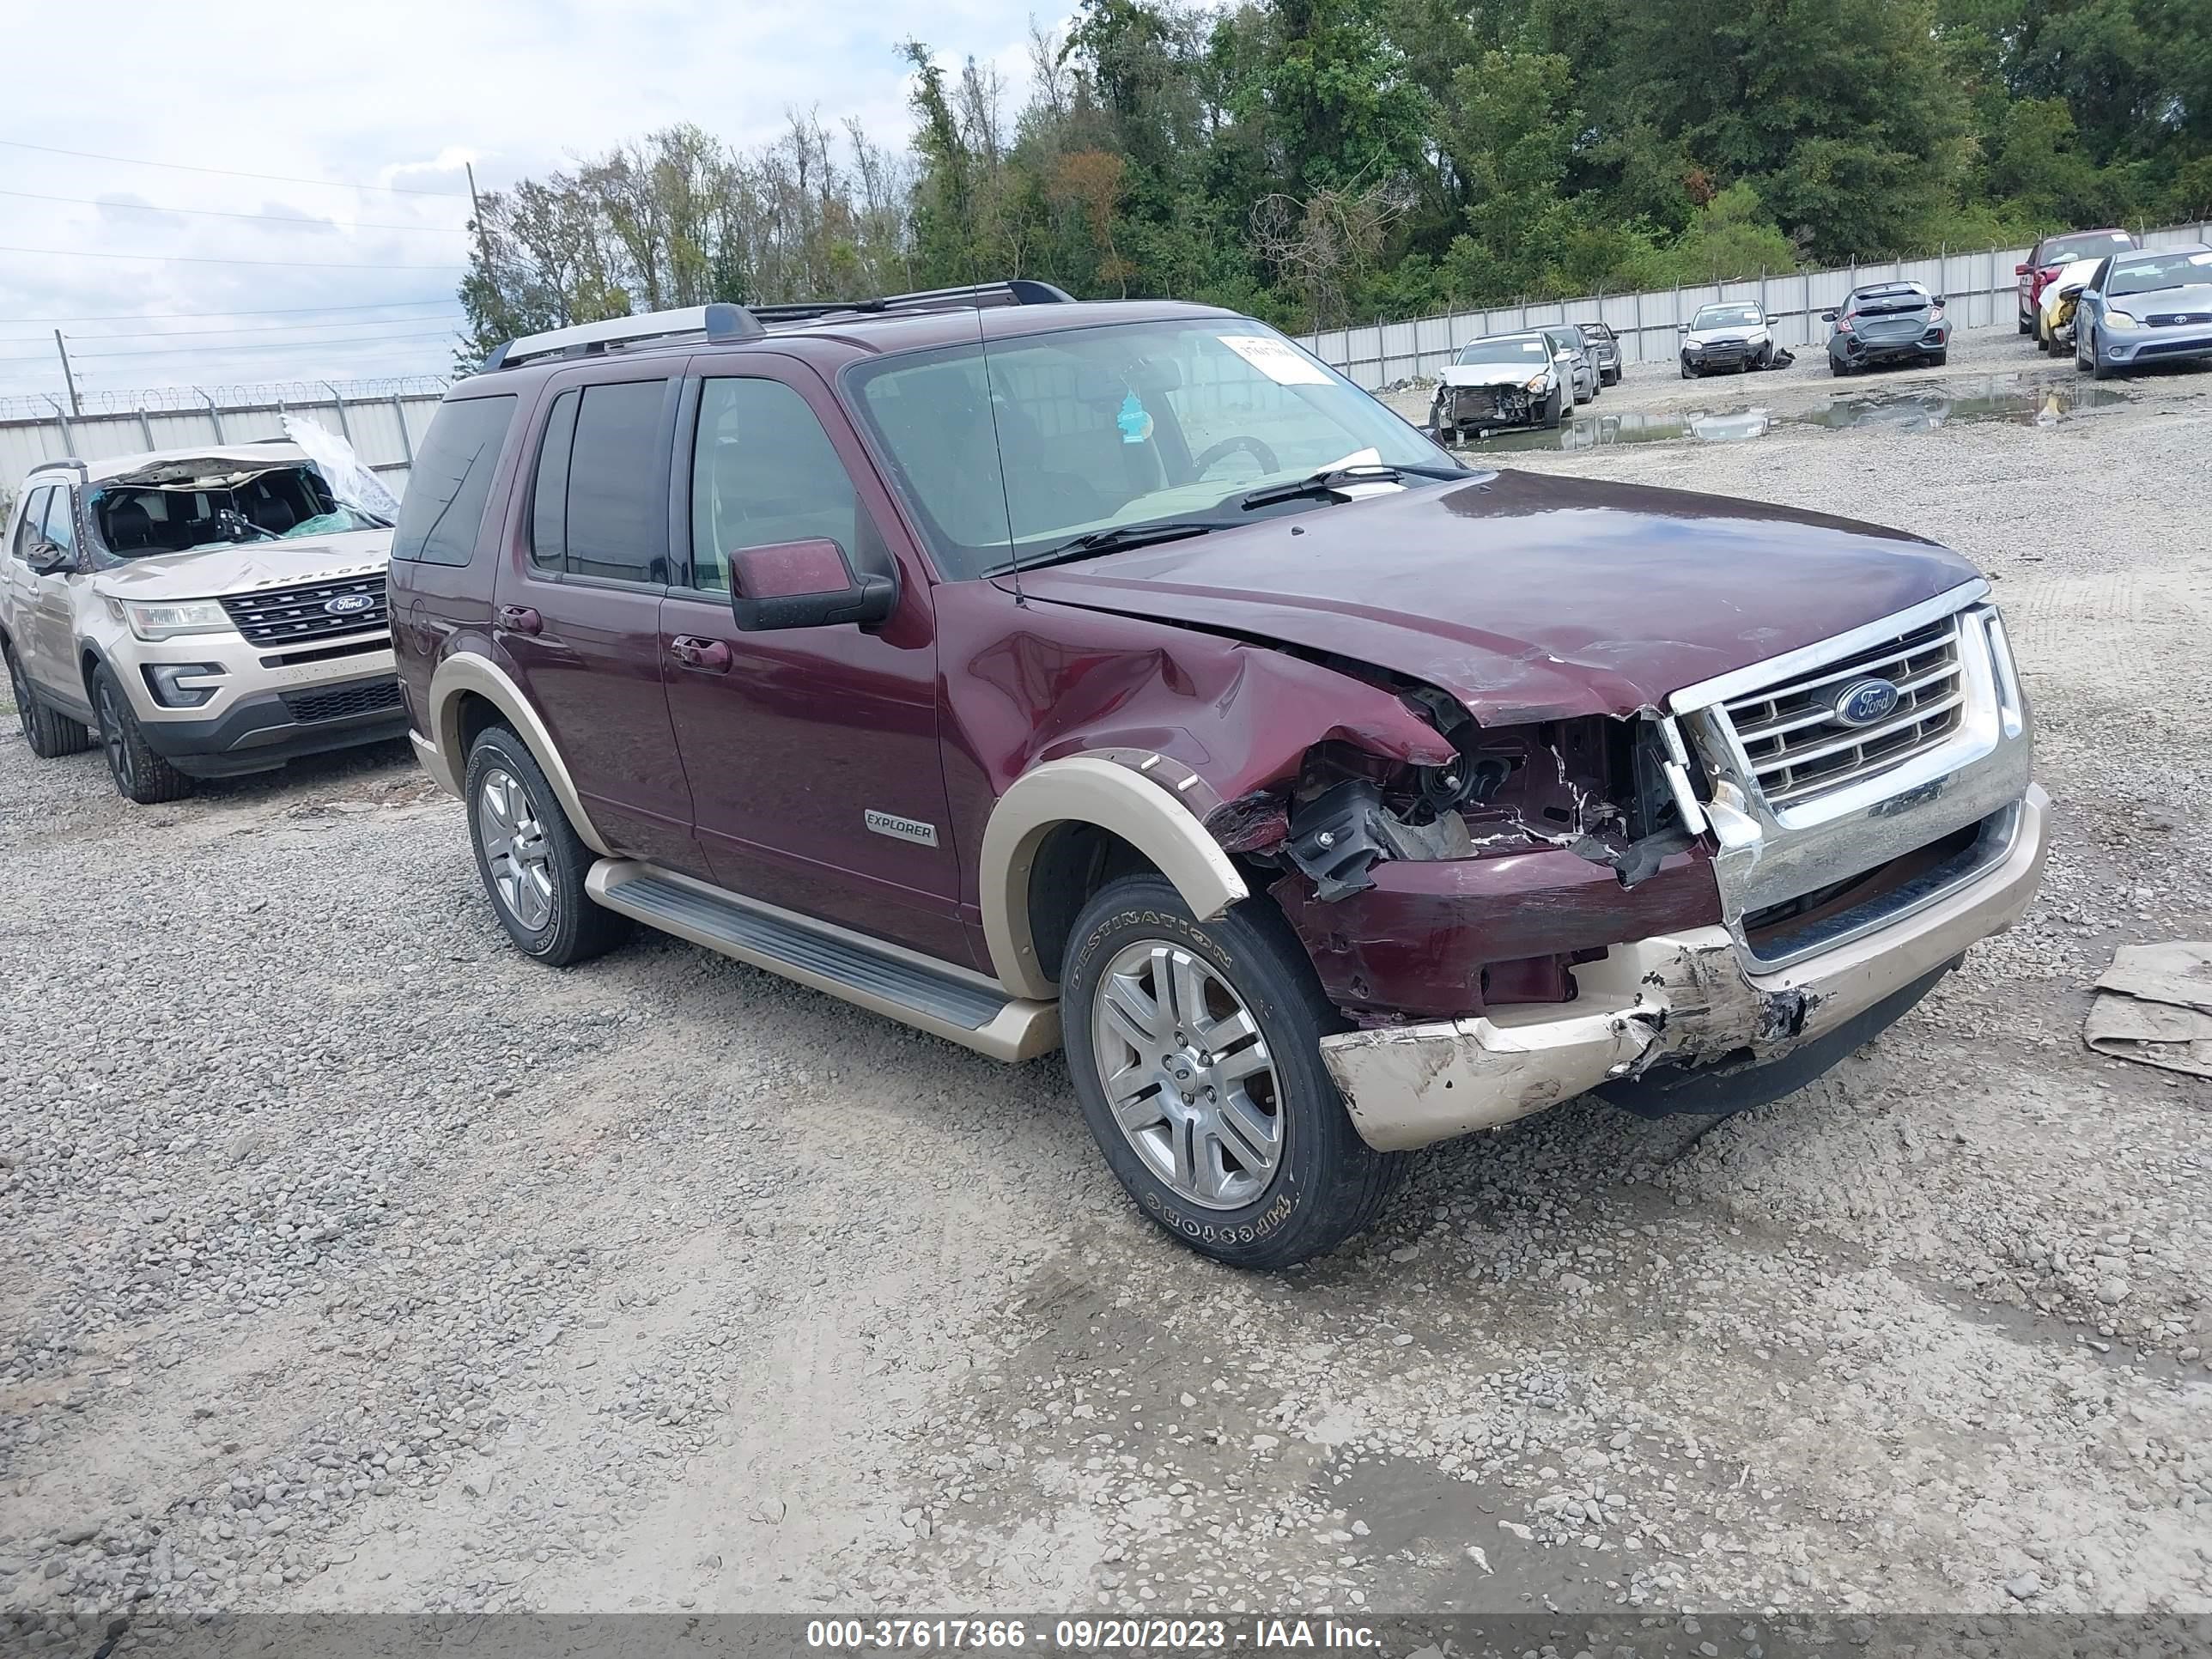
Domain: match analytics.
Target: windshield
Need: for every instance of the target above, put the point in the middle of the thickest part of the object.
(1728, 317)
(2094, 245)
(1881, 299)
(1064, 434)
(1507, 349)
(2149, 274)
(139, 521)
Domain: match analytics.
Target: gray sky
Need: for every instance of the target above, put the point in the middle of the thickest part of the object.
(398, 94)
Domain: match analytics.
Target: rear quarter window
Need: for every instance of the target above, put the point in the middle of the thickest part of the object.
(442, 512)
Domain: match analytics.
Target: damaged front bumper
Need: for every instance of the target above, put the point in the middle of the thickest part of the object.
(1692, 998)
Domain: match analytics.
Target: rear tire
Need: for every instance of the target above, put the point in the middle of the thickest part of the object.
(50, 735)
(140, 774)
(530, 858)
(2027, 325)
(1940, 359)
(1276, 1173)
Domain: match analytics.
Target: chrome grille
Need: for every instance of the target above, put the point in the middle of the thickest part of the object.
(288, 616)
(1799, 748)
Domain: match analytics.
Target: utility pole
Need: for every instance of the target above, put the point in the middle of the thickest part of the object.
(68, 378)
(476, 211)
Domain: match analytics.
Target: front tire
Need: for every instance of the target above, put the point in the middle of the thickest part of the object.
(530, 858)
(1688, 373)
(1555, 413)
(2099, 369)
(1196, 1051)
(140, 774)
(49, 735)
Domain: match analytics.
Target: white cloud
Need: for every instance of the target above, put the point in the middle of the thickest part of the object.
(404, 94)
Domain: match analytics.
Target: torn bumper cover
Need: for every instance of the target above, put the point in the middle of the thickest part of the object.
(1688, 998)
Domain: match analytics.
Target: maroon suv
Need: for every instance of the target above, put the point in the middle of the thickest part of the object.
(1118, 676)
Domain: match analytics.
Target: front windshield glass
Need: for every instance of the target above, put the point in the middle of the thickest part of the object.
(139, 521)
(1726, 317)
(2149, 274)
(1507, 349)
(1087, 429)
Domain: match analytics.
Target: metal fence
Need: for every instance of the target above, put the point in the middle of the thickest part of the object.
(1980, 287)
(384, 420)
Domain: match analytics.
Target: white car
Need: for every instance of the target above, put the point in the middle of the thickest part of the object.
(200, 613)
(1732, 335)
(2051, 333)
(1499, 381)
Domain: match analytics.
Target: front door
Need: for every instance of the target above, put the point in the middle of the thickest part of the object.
(577, 611)
(54, 620)
(811, 752)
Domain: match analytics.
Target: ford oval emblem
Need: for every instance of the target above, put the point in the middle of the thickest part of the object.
(347, 604)
(1864, 701)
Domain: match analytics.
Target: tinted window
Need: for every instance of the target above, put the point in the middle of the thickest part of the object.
(617, 520)
(443, 509)
(549, 501)
(762, 471)
(61, 519)
(2063, 249)
(28, 531)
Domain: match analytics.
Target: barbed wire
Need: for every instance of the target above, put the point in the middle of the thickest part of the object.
(267, 394)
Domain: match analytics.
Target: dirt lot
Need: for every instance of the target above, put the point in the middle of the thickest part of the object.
(348, 1260)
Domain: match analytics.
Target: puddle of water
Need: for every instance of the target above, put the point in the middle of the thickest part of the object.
(2020, 400)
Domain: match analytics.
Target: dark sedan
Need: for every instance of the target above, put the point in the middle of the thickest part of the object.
(1888, 323)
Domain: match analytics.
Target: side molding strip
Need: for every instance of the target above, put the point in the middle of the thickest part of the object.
(1085, 789)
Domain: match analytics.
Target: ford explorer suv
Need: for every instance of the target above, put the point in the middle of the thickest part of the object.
(1117, 677)
(203, 612)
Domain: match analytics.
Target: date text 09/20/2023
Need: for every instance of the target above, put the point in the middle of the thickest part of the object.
(1088, 1635)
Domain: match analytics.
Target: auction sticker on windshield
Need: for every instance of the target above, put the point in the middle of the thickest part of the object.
(1278, 359)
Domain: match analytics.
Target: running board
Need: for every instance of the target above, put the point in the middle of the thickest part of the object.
(954, 1003)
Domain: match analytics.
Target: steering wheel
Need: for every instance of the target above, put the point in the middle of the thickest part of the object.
(1227, 447)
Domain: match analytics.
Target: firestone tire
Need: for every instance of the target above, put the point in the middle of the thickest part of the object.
(1325, 1184)
(50, 735)
(572, 929)
(139, 774)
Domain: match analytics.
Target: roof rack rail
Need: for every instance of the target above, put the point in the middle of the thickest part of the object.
(715, 322)
(720, 323)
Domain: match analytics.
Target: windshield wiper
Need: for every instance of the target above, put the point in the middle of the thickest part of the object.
(1329, 480)
(1114, 540)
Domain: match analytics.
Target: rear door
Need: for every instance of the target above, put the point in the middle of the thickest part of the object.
(576, 616)
(813, 752)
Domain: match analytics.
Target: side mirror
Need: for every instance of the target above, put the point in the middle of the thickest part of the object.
(810, 584)
(1681, 328)
(1935, 300)
(1774, 319)
(2020, 271)
(50, 559)
(1828, 316)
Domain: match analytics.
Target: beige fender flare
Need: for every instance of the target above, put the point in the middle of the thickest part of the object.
(1116, 798)
(443, 759)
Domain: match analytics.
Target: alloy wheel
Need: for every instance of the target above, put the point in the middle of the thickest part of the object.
(114, 739)
(515, 849)
(1187, 1075)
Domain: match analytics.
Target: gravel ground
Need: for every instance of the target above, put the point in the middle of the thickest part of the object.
(350, 1261)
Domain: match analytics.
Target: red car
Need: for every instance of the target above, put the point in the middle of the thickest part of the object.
(2053, 254)
(1118, 676)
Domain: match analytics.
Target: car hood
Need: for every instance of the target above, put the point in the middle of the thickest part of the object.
(214, 571)
(1528, 597)
(1493, 374)
(1733, 336)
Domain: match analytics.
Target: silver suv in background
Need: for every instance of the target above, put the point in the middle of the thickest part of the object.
(204, 612)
